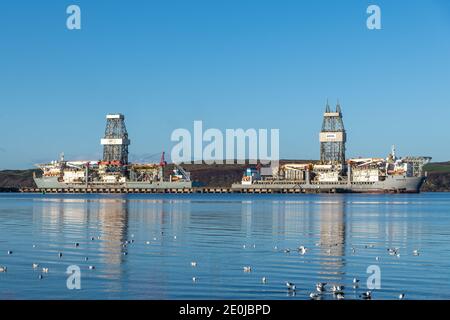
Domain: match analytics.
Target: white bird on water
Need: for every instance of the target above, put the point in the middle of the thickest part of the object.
(3, 269)
(401, 296)
(291, 286)
(340, 296)
(416, 252)
(35, 266)
(91, 267)
(302, 250)
(314, 296)
(394, 251)
(337, 289)
(366, 295)
(247, 269)
(193, 264)
(45, 270)
(264, 280)
(10, 252)
(320, 287)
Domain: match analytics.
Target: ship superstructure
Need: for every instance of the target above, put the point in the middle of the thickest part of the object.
(333, 173)
(112, 172)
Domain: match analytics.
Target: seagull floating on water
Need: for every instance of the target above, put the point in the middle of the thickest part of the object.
(393, 251)
(3, 269)
(416, 252)
(247, 269)
(320, 287)
(291, 286)
(264, 280)
(91, 267)
(35, 266)
(366, 295)
(193, 264)
(302, 250)
(10, 252)
(45, 270)
(314, 296)
(401, 296)
(194, 279)
(340, 296)
(337, 289)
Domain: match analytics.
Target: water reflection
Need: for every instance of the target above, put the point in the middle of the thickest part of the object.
(332, 236)
(113, 230)
(223, 234)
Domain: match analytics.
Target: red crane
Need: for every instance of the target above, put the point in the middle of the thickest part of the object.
(163, 161)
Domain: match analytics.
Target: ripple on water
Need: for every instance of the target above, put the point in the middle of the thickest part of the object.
(213, 232)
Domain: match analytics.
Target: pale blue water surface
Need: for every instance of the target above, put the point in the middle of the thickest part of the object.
(223, 234)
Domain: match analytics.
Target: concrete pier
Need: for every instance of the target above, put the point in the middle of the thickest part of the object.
(201, 190)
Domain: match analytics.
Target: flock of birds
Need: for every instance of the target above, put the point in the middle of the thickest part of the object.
(45, 270)
(321, 288)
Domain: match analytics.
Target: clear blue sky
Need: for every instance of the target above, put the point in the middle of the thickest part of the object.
(232, 64)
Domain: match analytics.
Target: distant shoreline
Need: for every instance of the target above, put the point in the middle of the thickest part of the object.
(222, 176)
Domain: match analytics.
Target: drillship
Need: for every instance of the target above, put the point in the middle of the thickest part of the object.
(114, 171)
(333, 173)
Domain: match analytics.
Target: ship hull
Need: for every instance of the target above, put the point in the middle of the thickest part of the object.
(52, 183)
(392, 184)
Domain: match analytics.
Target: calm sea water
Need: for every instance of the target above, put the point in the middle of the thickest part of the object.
(223, 234)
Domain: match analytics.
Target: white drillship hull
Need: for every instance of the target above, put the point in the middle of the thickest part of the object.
(399, 184)
(48, 183)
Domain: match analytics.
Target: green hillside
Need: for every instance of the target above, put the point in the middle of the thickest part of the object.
(438, 167)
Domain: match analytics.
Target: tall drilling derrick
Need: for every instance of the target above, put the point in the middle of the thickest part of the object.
(333, 137)
(116, 142)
